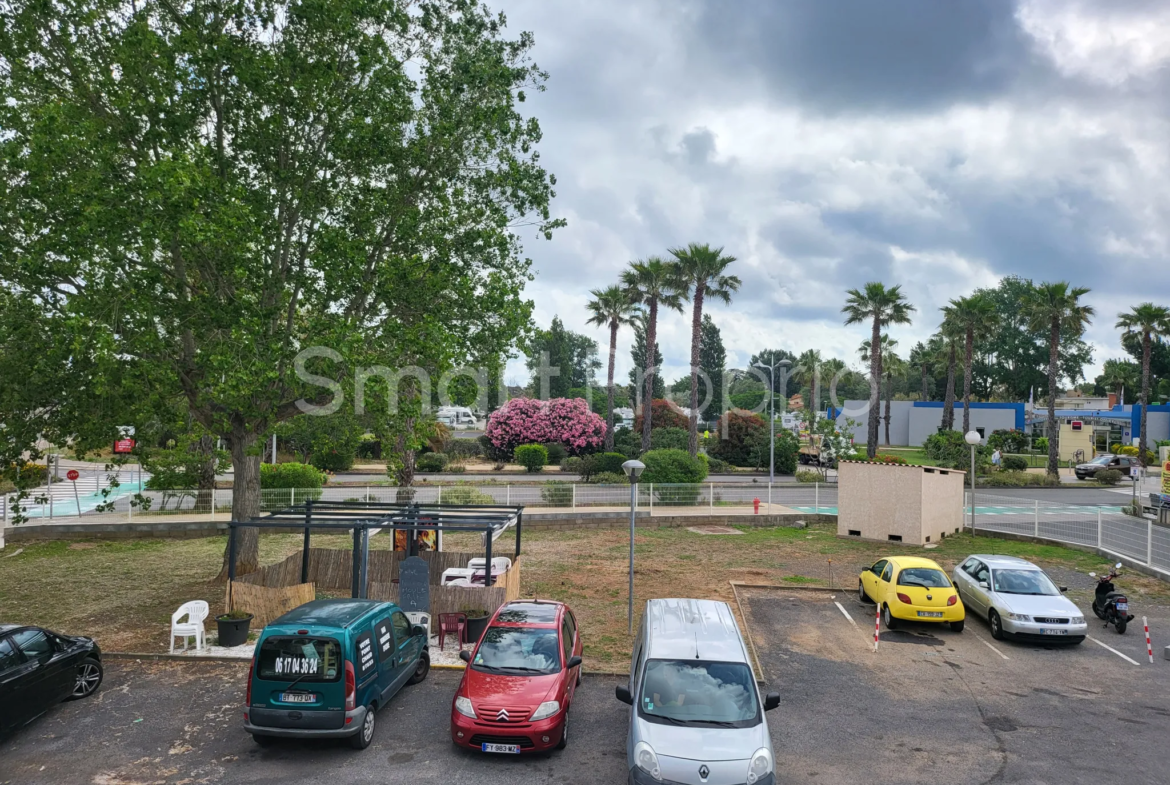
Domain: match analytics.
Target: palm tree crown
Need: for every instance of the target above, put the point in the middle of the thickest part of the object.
(653, 283)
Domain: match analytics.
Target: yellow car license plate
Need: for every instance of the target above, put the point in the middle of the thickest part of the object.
(931, 614)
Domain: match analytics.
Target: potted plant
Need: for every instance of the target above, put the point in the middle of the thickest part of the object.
(477, 619)
(233, 627)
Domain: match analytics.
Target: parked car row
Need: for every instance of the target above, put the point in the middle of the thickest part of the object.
(1015, 597)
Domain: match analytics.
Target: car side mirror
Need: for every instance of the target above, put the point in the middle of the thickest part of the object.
(622, 693)
(420, 630)
(771, 701)
(574, 661)
(465, 655)
(984, 585)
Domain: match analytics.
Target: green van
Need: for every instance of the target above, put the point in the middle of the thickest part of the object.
(322, 670)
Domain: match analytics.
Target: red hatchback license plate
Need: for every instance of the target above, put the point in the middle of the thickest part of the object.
(507, 749)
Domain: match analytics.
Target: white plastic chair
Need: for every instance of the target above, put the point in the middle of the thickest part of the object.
(195, 611)
(453, 574)
(500, 564)
(421, 618)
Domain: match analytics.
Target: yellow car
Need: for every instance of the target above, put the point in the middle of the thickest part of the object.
(914, 589)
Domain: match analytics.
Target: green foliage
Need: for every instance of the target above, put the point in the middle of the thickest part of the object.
(627, 442)
(1014, 463)
(557, 493)
(718, 465)
(290, 475)
(532, 457)
(672, 466)
(951, 451)
(1008, 441)
(889, 458)
(186, 463)
(573, 464)
(1014, 479)
(603, 463)
(369, 447)
(572, 354)
(1108, 477)
(668, 439)
(1132, 452)
(556, 453)
(741, 439)
(431, 462)
(464, 494)
(713, 361)
(490, 451)
(1040, 444)
(330, 443)
(638, 356)
(804, 475)
(609, 478)
(464, 448)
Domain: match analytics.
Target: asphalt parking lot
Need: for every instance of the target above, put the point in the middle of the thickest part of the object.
(936, 706)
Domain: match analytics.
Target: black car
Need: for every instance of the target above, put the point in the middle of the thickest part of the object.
(39, 669)
(1121, 463)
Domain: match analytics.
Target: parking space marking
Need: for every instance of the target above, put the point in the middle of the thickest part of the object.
(847, 616)
(1110, 648)
(988, 645)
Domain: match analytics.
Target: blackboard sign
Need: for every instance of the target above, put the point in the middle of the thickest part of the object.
(414, 590)
(365, 655)
(385, 639)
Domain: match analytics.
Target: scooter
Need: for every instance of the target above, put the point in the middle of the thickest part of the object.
(1110, 605)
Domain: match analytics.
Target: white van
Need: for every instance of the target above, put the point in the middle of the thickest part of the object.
(696, 715)
(456, 417)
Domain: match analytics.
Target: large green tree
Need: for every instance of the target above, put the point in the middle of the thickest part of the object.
(213, 188)
(701, 272)
(880, 306)
(638, 357)
(970, 316)
(1150, 322)
(610, 308)
(713, 361)
(653, 283)
(560, 360)
(1057, 309)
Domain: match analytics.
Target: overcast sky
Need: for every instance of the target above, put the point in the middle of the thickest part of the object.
(826, 143)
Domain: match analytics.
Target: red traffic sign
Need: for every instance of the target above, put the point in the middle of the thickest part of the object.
(1076, 425)
(124, 446)
(72, 474)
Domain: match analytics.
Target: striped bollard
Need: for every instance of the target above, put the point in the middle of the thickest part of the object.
(877, 620)
(1149, 648)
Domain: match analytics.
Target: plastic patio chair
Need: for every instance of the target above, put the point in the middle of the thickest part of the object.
(500, 564)
(452, 623)
(452, 574)
(421, 618)
(195, 611)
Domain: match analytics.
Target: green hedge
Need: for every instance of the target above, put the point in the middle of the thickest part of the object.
(290, 475)
(431, 462)
(673, 466)
(1012, 479)
(1014, 463)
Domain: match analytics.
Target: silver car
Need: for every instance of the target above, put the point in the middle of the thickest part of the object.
(1018, 600)
(696, 716)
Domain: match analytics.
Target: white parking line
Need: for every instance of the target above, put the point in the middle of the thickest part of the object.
(988, 645)
(847, 616)
(1115, 651)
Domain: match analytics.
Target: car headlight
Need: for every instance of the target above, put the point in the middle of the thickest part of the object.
(1019, 617)
(545, 710)
(1077, 620)
(463, 706)
(760, 766)
(646, 760)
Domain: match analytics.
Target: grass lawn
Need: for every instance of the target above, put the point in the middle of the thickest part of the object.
(123, 593)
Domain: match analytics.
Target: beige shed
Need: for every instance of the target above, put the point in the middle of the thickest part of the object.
(888, 502)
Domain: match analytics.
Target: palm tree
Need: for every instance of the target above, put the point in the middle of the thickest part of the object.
(970, 315)
(883, 306)
(1119, 374)
(1055, 308)
(700, 271)
(891, 364)
(948, 355)
(610, 307)
(924, 356)
(808, 367)
(1151, 321)
(651, 283)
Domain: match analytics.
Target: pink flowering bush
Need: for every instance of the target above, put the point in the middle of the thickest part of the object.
(566, 421)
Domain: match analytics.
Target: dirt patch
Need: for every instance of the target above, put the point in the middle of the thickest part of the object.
(713, 530)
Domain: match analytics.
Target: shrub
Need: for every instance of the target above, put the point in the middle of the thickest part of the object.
(465, 448)
(1132, 452)
(883, 457)
(669, 438)
(951, 451)
(805, 475)
(1008, 441)
(1109, 477)
(556, 453)
(430, 462)
(1040, 444)
(1014, 463)
(557, 493)
(1018, 480)
(290, 475)
(532, 457)
(566, 421)
(663, 414)
(718, 465)
(333, 459)
(609, 478)
(573, 465)
(672, 466)
(369, 447)
(627, 442)
(493, 453)
(610, 462)
(463, 494)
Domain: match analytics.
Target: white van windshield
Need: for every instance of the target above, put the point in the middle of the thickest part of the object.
(691, 692)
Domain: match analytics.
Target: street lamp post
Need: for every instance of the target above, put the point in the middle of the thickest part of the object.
(784, 364)
(973, 438)
(633, 470)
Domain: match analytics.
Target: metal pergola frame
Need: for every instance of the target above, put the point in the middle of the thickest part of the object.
(490, 520)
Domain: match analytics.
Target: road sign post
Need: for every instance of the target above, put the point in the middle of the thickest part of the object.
(72, 476)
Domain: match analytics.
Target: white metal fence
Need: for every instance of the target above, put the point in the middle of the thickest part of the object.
(654, 499)
(1105, 527)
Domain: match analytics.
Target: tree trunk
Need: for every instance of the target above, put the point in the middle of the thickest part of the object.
(875, 383)
(206, 479)
(613, 328)
(889, 395)
(925, 389)
(1145, 396)
(1053, 428)
(651, 362)
(696, 343)
(948, 418)
(969, 356)
(245, 501)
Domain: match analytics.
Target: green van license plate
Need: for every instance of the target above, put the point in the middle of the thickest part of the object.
(297, 697)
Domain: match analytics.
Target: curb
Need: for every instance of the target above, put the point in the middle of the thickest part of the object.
(742, 585)
(132, 655)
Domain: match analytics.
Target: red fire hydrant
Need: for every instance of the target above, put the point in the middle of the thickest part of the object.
(756, 504)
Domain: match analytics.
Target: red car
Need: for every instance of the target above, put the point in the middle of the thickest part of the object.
(520, 679)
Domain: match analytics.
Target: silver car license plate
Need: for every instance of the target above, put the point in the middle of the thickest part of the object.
(296, 697)
(931, 614)
(1055, 632)
(507, 749)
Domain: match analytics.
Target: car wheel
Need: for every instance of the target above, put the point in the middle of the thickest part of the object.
(888, 618)
(89, 678)
(420, 673)
(957, 626)
(995, 624)
(861, 595)
(564, 732)
(362, 739)
(263, 741)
